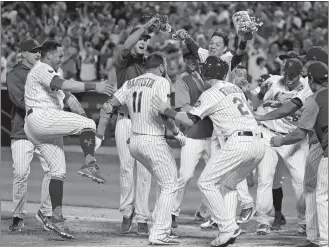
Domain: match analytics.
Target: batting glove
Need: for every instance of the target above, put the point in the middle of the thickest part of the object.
(98, 142)
(179, 136)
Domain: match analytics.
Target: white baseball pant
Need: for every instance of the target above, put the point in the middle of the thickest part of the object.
(127, 183)
(45, 128)
(294, 157)
(156, 155)
(22, 154)
(310, 181)
(322, 201)
(239, 156)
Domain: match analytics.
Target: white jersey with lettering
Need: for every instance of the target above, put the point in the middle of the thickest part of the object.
(227, 57)
(280, 92)
(38, 93)
(227, 107)
(137, 94)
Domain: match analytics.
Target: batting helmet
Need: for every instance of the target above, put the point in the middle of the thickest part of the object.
(214, 68)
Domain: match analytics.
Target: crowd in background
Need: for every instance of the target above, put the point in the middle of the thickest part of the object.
(92, 31)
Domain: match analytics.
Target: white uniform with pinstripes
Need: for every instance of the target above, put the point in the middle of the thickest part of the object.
(270, 170)
(148, 144)
(227, 107)
(22, 154)
(48, 123)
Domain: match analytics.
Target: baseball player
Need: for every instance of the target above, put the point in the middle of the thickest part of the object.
(147, 142)
(22, 149)
(129, 63)
(315, 118)
(243, 150)
(46, 123)
(282, 89)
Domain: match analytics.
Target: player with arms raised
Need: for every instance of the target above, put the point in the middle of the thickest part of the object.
(147, 143)
(243, 150)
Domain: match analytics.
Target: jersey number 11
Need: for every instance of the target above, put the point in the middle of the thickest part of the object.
(138, 100)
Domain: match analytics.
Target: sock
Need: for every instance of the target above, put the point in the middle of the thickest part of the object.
(56, 197)
(277, 199)
(87, 142)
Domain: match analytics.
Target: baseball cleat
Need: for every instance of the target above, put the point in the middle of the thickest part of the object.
(59, 227)
(225, 239)
(142, 229)
(246, 215)
(278, 222)
(209, 224)
(42, 219)
(165, 241)
(263, 229)
(172, 234)
(91, 170)
(302, 228)
(17, 225)
(174, 223)
(126, 224)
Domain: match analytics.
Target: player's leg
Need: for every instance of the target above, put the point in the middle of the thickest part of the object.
(51, 123)
(229, 166)
(127, 184)
(154, 152)
(22, 155)
(247, 202)
(322, 201)
(45, 210)
(310, 180)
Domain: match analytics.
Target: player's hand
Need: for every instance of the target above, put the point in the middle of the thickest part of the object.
(180, 138)
(151, 24)
(104, 88)
(98, 143)
(265, 86)
(258, 117)
(272, 103)
(159, 105)
(276, 141)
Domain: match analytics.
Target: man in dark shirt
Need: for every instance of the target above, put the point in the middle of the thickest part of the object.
(129, 63)
(22, 149)
(315, 118)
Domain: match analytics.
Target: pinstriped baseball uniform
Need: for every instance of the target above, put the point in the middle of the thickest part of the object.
(293, 156)
(227, 107)
(148, 145)
(127, 69)
(48, 123)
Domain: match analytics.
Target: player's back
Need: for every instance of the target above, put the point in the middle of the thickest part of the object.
(230, 111)
(140, 91)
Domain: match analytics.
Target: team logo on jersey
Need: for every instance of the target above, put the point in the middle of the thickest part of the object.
(290, 64)
(50, 71)
(197, 104)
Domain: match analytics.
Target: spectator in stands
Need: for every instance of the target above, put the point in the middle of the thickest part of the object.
(88, 60)
(69, 65)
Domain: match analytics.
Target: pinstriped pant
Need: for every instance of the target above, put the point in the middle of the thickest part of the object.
(127, 183)
(156, 155)
(322, 201)
(294, 157)
(45, 128)
(22, 154)
(226, 168)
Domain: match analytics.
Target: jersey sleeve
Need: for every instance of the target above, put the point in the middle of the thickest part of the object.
(45, 75)
(203, 54)
(182, 96)
(301, 97)
(163, 90)
(309, 115)
(120, 95)
(204, 106)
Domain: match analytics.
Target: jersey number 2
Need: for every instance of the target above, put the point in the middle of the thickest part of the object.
(138, 100)
(241, 106)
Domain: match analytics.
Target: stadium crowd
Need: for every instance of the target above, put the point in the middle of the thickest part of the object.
(91, 31)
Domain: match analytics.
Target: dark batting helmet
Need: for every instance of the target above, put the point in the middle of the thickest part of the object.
(214, 68)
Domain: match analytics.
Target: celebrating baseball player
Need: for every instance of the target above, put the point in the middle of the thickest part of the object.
(46, 123)
(314, 117)
(22, 149)
(243, 150)
(147, 143)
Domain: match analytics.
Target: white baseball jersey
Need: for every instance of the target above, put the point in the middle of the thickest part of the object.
(280, 92)
(227, 57)
(227, 107)
(137, 94)
(38, 93)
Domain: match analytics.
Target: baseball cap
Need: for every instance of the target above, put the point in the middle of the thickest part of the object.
(316, 53)
(263, 78)
(290, 54)
(30, 45)
(214, 68)
(318, 70)
(145, 34)
(293, 67)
